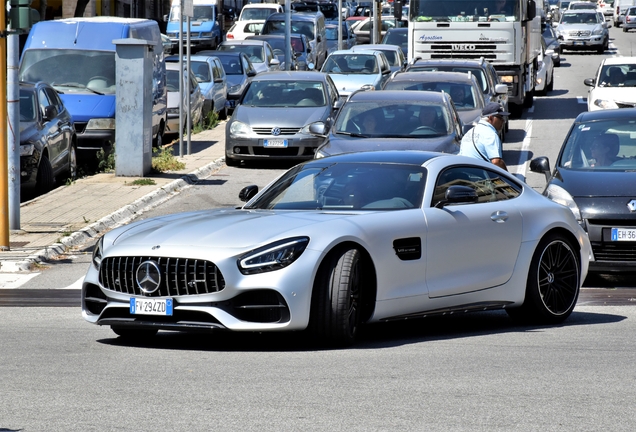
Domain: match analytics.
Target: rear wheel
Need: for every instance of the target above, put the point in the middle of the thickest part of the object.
(529, 100)
(553, 282)
(335, 305)
(223, 113)
(550, 86)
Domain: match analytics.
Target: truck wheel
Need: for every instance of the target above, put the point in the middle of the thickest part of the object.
(529, 100)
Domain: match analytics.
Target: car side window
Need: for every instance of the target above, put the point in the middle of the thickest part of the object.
(54, 99)
(489, 185)
(43, 101)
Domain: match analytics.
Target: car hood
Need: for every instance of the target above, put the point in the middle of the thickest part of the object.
(279, 116)
(580, 27)
(580, 183)
(233, 80)
(224, 228)
(345, 144)
(617, 94)
(348, 83)
(84, 107)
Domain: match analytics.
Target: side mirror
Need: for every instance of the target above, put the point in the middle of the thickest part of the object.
(274, 62)
(540, 165)
(590, 82)
(251, 73)
(501, 88)
(318, 129)
(458, 195)
(248, 192)
(319, 38)
(532, 10)
(311, 66)
(50, 112)
(218, 80)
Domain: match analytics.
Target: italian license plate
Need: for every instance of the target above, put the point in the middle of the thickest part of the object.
(275, 143)
(579, 43)
(624, 234)
(150, 306)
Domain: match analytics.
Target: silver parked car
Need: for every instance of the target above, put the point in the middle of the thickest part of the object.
(272, 119)
(583, 30)
(393, 54)
(350, 71)
(340, 242)
(260, 53)
(196, 98)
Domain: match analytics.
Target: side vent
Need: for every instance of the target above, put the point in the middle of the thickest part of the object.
(408, 249)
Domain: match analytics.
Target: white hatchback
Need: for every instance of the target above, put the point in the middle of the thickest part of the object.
(614, 85)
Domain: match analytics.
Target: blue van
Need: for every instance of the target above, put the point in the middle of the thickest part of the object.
(76, 56)
(205, 31)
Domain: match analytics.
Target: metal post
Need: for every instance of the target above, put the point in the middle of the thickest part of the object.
(339, 24)
(181, 79)
(374, 23)
(13, 139)
(4, 175)
(288, 49)
(187, 89)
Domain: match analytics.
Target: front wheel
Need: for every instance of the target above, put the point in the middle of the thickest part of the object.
(45, 181)
(335, 305)
(553, 283)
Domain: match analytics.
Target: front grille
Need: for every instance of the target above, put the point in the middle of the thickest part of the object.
(614, 252)
(283, 131)
(579, 33)
(461, 50)
(179, 276)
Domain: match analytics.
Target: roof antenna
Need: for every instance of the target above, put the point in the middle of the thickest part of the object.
(76, 33)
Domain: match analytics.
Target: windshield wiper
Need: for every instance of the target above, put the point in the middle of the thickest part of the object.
(352, 134)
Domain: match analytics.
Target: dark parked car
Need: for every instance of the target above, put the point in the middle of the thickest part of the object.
(397, 36)
(260, 53)
(595, 176)
(300, 44)
(238, 71)
(393, 120)
(48, 145)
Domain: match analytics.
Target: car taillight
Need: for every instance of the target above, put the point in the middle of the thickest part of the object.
(229, 36)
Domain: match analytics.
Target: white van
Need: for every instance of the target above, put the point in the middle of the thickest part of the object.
(620, 7)
(259, 11)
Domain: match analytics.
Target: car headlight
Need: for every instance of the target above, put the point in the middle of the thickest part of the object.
(207, 34)
(561, 196)
(598, 31)
(274, 256)
(27, 149)
(234, 88)
(605, 104)
(172, 110)
(319, 155)
(305, 129)
(101, 123)
(239, 128)
(97, 252)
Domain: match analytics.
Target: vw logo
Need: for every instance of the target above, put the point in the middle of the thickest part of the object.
(276, 131)
(632, 205)
(148, 277)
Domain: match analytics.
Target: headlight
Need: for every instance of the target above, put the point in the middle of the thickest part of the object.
(238, 128)
(234, 89)
(598, 31)
(561, 196)
(27, 149)
(272, 257)
(97, 253)
(605, 104)
(305, 129)
(172, 110)
(207, 34)
(101, 123)
(507, 79)
(319, 155)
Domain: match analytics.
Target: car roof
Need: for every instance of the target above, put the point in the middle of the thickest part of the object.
(430, 76)
(399, 95)
(290, 75)
(197, 57)
(255, 42)
(216, 53)
(295, 16)
(611, 114)
(619, 60)
(350, 52)
(374, 47)
(411, 157)
(443, 62)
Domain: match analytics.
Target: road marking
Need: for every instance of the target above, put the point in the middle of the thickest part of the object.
(15, 280)
(581, 100)
(76, 285)
(522, 166)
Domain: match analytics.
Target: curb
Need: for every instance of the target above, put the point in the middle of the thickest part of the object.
(117, 218)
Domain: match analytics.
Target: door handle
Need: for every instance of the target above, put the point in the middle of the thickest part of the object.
(499, 216)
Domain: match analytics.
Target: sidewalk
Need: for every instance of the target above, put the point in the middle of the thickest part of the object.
(70, 216)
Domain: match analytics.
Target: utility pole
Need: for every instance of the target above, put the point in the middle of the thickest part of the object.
(4, 166)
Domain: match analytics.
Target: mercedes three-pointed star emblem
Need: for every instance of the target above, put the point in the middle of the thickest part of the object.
(148, 277)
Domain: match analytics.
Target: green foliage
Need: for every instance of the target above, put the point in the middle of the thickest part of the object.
(106, 160)
(163, 160)
(208, 122)
(142, 182)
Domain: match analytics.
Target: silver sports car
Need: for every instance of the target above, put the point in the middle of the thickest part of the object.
(341, 241)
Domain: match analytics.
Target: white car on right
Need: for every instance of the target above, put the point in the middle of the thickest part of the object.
(614, 85)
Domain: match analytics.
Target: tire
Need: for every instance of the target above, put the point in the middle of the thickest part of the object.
(136, 334)
(44, 179)
(223, 114)
(516, 110)
(529, 100)
(553, 283)
(232, 162)
(335, 305)
(550, 86)
(71, 170)
(557, 63)
(624, 29)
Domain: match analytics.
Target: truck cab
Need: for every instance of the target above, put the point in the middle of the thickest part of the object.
(205, 31)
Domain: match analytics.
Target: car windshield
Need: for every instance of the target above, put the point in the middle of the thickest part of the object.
(285, 94)
(582, 6)
(478, 73)
(278, 27)
(351, 64)
(392, 57)
(231, 65)
(332, 33)
(580, 18)
(201, 71)
(617, 75)
(464, 10)
(464, 95)
(396, 38)
(255, 53)
(72, 71)
(27, 106)
(256, 13)
(393, 119)
(346, 186)
(601, 145)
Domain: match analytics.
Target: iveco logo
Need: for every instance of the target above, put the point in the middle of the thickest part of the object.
(632, 206)
(463, 47)
(148, 277)
(276, 131)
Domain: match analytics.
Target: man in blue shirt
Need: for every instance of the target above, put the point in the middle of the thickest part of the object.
(482, 141)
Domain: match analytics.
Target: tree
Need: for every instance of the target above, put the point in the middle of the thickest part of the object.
(80, 7)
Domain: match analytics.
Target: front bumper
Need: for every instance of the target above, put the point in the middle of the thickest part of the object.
(582, 43)
(298, 146)
(610, 256)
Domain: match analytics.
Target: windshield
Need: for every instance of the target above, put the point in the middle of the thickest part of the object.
(463, 10)
(256, 13)
(464, 96)
(285, 94)
(478, 73)
(201, 13)
(27, 106)
(617, 75)
(351, 64)
(601, 145)
(579, 18)
(231, 65)
(391, 119)
(346, 186)
(278, 27)
(79, 71)
(255, 53)
(582, 6)
(565, 5)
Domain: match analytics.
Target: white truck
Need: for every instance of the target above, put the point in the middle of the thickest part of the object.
(507, 33)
